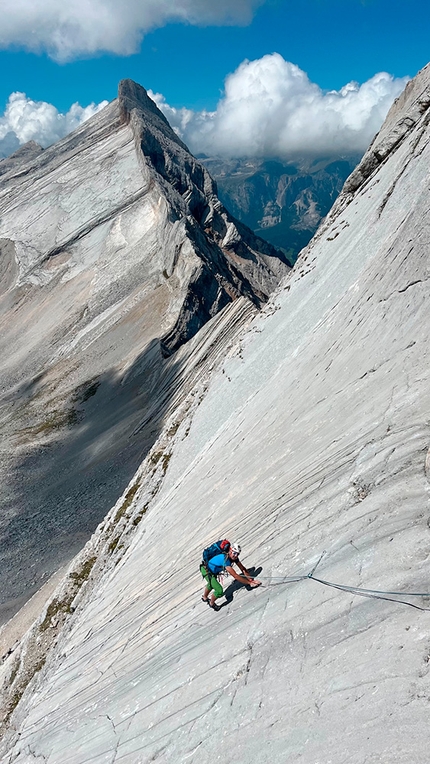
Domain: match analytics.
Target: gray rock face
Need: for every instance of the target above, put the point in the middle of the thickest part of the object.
(310, 446)
(114, 252)
(24, 154)
(405, 114)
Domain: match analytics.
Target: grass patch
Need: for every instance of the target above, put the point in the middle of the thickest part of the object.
(56, 607)
(16, 697)
(129, 496)
(155, 458)
(174, 429)
(166, 460)
(19, 692)
(113, 544)
(137, 519)
(84, 573)
(62, 607)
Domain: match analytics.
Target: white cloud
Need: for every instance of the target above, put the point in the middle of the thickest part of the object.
(271, 108)
(25, 120)
(68, 29)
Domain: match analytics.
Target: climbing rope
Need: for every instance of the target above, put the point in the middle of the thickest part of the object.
(372, 593)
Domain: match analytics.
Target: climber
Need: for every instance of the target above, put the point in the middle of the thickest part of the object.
(220, 557)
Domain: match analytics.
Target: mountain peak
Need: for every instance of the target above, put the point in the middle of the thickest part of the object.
(21, 156)
(131, 96)
(134, 100)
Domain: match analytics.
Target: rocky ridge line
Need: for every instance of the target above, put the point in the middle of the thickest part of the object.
(229, 250)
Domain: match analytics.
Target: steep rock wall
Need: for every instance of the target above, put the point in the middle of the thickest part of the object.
(310, 446)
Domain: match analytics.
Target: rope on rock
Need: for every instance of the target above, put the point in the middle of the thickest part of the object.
(372, 593)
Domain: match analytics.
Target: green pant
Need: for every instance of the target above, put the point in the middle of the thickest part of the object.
(211, 582)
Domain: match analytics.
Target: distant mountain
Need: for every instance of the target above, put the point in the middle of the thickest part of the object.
(284, 203)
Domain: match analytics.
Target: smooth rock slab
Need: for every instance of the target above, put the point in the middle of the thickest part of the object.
(312, 439)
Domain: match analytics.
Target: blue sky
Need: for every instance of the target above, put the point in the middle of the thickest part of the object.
(333, 41)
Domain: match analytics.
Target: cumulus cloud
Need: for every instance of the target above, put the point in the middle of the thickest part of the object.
(66, 30)
(25, 120)
(271, 109)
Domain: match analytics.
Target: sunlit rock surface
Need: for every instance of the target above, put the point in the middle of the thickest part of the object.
(114, 252)
(25, 154)
(314, 437)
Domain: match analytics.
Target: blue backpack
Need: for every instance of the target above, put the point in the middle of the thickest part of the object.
(219, 547)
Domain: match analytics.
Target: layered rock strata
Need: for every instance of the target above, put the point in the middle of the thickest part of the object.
(114, 252)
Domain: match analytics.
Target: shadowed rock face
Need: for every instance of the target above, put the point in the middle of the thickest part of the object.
(114, 252)
(310, 445)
